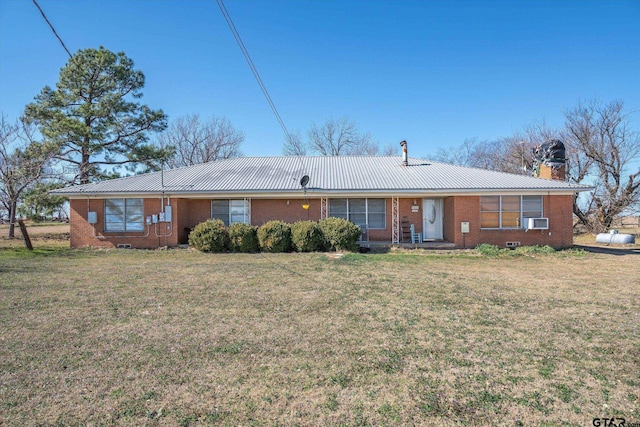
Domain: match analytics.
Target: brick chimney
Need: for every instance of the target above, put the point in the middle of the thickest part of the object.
(549, 160)
(555, 172)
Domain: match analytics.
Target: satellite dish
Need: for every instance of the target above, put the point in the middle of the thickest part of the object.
(304, 181)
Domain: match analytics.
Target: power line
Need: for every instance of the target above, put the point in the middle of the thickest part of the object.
(256, 75)
(254, 70)
(52, 29)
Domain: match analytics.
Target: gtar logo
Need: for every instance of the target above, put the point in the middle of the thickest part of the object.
(608, 422)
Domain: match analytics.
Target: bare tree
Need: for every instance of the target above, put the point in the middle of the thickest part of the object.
(22, 164)
(601, 148)
(390, 149)
(294, 146)
(196, 141)
(336, 137)
(467, 154)
(495, 155)
(512, 154)
(606, 148)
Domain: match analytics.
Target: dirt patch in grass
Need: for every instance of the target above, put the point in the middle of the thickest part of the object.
(408, 337)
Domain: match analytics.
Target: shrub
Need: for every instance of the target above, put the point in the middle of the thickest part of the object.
(210, 236)
(243, 238)
(492, 250)
(306, 236)
(340, 234)
(488, 250)
(275, 236)
(528, 250)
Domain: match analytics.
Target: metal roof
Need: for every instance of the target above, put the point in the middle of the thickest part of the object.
(330, 175)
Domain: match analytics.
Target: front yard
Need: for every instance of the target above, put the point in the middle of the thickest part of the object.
(409, 337)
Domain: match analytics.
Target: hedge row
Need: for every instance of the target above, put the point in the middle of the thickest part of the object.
(276, 236)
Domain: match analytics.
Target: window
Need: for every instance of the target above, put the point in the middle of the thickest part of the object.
(490, 212)
(376, 212)
(124, 215)
(338, 208)
(230, 210)
(370, 212)
(531, 208)
(509, 211)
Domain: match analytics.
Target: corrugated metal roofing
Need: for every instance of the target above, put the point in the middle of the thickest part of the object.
(327, 174)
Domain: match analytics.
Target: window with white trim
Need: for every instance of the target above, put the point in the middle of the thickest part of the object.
(124, 215)
(230, 210)
(369, 212)
(509, 211)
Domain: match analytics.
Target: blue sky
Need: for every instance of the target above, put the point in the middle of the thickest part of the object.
(430, 72)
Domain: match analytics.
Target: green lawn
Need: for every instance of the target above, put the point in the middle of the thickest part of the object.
(121, 337)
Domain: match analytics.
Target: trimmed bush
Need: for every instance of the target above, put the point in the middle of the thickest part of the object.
(275, 236)
(210, 236)
(340, 234)
(306, 236)
(243, 238)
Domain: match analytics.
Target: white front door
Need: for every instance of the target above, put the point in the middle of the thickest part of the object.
(432, 219)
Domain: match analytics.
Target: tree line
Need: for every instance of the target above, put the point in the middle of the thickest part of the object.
(91, 127)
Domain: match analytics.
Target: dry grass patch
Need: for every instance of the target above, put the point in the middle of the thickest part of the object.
(43, 236)
(410, 337)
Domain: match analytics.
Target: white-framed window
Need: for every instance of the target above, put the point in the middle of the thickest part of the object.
(124, 215)
(230, 210)
(369, 212)
(509, 211)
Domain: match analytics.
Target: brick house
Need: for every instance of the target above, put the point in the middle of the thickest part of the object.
(384, 195)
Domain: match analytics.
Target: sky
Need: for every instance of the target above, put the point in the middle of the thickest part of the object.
(433, 73)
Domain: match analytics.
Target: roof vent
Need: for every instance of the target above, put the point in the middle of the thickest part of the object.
(405, 158)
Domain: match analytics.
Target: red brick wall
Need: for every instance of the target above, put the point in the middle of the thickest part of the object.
(467, 208)
(547, 172)
(449, 219)
(266, 210)
(181, 211)
(263, 210)
(84, 234)
(188, 213)
(198, 210)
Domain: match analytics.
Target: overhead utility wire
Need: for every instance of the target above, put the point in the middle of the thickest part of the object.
(254, 70)
(52, 29)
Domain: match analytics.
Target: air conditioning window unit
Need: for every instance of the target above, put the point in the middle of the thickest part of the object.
(538, 224)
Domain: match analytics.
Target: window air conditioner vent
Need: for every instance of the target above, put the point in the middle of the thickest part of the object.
(538, 224)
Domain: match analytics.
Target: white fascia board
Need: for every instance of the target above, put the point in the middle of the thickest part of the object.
(423, 193)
